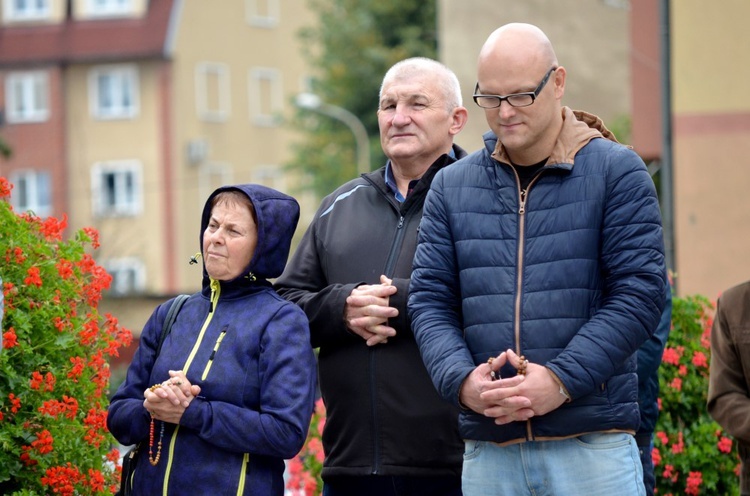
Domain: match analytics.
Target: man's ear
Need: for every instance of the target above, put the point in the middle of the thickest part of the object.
(559, 82)
(460, 116)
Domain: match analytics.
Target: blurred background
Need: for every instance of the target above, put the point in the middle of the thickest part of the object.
(124, 115)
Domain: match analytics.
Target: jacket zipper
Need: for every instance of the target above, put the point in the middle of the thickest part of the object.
(398, 240)
(523, 195)
(395, 247)
(215, 292)
(213, 354)
(243, 474)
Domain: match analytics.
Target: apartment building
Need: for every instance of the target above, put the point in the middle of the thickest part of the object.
(125, 114)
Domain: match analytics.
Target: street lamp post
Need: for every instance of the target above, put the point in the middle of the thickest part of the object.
(310, 101)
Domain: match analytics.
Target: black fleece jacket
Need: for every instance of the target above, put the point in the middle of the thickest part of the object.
(384, 415)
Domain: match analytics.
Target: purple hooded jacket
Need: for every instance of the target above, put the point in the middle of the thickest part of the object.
(249, 351)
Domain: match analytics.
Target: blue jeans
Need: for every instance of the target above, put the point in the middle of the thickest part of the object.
(386, 485)
(599, 464)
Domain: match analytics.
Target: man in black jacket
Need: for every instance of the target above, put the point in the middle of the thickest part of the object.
(387, 430)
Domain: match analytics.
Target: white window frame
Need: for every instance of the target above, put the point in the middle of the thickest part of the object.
(209, 170)
(123, 203)
(256, 78)
(128, 275)
(270, 175)
(32, 89)
(108, 8)
(32, 180)
(203, 71)
(126, 79)
(32, 12)
(262, 18)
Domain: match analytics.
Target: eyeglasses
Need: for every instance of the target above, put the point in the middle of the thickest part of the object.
(514, 100)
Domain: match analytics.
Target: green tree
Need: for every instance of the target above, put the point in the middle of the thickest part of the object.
(351, 47)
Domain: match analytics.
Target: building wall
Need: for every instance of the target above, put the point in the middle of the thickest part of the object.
(242, 37)
(711, 142)
(590, 38)
(239, 149)
(233, 147)
(91, 141)
(38, 146)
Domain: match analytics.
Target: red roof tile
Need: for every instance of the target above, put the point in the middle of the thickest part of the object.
(88, 40)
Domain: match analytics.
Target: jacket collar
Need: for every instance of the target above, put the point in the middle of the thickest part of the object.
(578, 129)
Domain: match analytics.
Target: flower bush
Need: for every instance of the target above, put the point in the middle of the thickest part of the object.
(692, 454)
(304, 469)
(54, 374)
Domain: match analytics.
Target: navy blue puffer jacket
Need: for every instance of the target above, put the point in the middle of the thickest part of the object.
(569, 273)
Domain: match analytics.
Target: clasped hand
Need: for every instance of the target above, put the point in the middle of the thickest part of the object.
(516, 398)
(167, 401)
(367, 311)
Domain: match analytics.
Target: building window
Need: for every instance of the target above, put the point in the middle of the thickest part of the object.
(26, 10)
(128, 275)
(271, 176)
(109, 7)
(266, 98)
(113, 92)
(212, 94)
(27, 95)
(31, 192)
(116, 188)
(262, 13)
(211, 176)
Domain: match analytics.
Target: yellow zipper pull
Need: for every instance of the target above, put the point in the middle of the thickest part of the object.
(215, 292)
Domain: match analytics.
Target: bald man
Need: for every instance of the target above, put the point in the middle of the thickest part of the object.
(539, 273)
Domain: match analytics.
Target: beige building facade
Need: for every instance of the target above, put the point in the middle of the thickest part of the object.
(590, 40)
(711, 107)
(710, 121)
(144, 107)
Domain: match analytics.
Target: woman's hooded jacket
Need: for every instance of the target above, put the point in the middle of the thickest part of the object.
(249, 351)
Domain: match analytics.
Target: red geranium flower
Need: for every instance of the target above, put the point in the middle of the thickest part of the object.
(9, 338)
(34, 278)
(724, 445)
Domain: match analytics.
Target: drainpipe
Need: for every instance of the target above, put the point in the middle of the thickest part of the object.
(667, 181)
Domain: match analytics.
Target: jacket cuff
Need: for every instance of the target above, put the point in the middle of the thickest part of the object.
(563, 389)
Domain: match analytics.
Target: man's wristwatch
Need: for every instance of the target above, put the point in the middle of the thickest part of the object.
(564, 393)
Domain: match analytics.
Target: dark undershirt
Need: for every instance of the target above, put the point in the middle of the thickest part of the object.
(527, 172)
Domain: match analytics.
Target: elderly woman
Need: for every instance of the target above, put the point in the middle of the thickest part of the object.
(231, 392)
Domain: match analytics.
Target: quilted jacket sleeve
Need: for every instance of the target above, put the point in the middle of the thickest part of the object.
(633, 268)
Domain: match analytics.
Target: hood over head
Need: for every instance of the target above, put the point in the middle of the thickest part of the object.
(276, 215)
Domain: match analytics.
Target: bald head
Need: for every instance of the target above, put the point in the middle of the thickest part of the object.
(519, 59)
(519, 45)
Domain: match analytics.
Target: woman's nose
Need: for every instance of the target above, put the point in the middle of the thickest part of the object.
(217, 237)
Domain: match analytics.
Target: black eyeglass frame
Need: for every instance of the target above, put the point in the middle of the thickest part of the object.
(506, 98)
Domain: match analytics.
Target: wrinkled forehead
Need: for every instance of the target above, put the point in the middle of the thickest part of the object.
(409, 89)
(235, 200)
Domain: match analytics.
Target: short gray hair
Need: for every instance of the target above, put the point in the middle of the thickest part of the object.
(420, 65)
